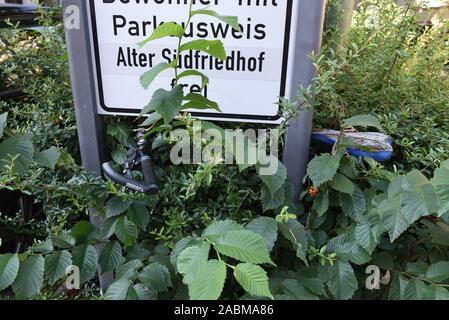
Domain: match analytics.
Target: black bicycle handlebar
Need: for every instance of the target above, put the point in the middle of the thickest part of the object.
(139, 156)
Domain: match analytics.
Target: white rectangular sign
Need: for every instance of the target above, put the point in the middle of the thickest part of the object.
(247, 85)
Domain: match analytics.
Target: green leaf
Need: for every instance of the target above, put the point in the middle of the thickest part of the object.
(438, 272)
(148, 77)
(110, 257)
(342, 184)
(366, 235)
(276, 181)
(214, 231)
(209, 282)
(128, 270)
(194, 73)
(267, 228)
(139, 214)
(348, 250)
(21, 146)
(198, 101)
(167, 29)
(245, 246)
(321, 203)
(297, 291)
(233, 21)
(393, 218)
(415, 290)
(64, 241)
(126, 231)
(151, 119)
(48, 158)
(253, 279)
(118, 290)
(441, 183)
(181, 245)
(419, 198)
(9, 266)
(436, 293)
(364, 121)
(323, 168)
(30, 277)
(85, 258)
(167, 103)
(342, 281)
(116, 206)
(190, 261)
(140, 292)
(108, 227)
(214, 48)
(397, 288)
(295, 232)
(354, 206)
(82, 231)
(156, 277)
(3, 122)
(270, 201)
(56, 265)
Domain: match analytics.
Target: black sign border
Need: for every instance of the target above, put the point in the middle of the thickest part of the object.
(217, 116)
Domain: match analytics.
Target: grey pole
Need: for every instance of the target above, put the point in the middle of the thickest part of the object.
(89, 123)
(309, 31)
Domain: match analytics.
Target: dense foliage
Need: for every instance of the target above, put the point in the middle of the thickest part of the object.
(226, 232)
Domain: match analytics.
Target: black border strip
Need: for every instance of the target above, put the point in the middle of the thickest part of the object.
(197, 114)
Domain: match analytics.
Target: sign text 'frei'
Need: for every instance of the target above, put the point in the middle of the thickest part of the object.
(246, 85)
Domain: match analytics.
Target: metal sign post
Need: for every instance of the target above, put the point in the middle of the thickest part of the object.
(89, 123)
(270, 59)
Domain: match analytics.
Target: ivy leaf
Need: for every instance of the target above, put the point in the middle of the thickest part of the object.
(245, 246)
(219, 228)
(267, 228)
(156, 277)
(167, 103)
(48, 158)
(9, 267)
(364, 121)
(214, 48)
(230, 20)
(167, 29)
(85, 258)
(30, 277)
(209, 282)
(275, 181)
(110, 257)
(148, 77)
(342, 281)
(323, 168)
(253, 279)
(438, 272)
(56, 264)
(126, 231)
(190, 261)
(342, 184)
(116, 206)
(118, 290)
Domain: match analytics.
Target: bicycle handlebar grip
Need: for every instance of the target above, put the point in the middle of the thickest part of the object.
(148, 173)
(147, 188)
